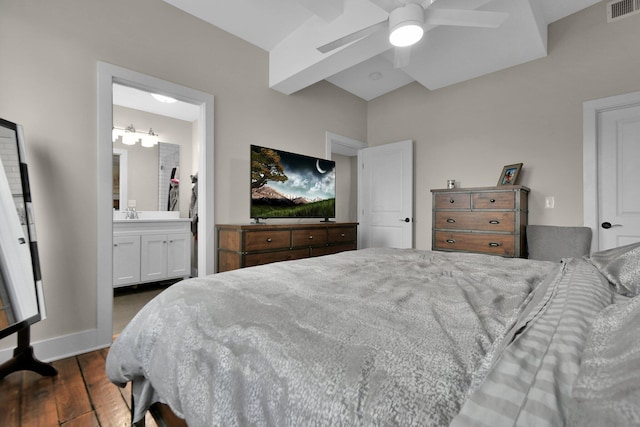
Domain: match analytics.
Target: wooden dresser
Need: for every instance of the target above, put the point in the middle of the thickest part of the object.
(489, 220)
(247, 245)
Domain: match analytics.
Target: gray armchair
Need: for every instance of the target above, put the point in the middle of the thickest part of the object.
(552, 243)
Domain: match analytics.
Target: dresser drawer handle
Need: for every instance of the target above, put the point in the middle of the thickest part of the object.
(451, 220)
(494, 221)
(494, 244)
(269, 240)
(310, 237)
(492, 200)
(341, 234)
(450, 241)
(451, 201)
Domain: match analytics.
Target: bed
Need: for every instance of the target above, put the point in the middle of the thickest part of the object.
(393, 337)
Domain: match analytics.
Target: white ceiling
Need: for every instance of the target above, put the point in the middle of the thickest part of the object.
(292, 30)
(140, 100)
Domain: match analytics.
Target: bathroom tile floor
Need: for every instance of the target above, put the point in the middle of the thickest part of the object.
(129, 300)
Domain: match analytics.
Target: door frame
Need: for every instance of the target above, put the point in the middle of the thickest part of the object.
(107, 75)
(344, 146)
(590, 113)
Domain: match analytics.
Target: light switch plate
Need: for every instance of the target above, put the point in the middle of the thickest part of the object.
(549, 202)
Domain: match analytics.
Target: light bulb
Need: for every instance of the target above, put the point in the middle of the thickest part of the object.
(406, 35)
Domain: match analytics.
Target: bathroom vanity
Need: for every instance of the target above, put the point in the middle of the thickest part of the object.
(150, 250)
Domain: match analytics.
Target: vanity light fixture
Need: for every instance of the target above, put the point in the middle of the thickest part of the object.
(130, 136)
(150, 139)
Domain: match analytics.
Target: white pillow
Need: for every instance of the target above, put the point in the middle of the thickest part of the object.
(621, 266)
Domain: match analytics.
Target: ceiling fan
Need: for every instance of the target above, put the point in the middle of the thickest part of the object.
(408, 19)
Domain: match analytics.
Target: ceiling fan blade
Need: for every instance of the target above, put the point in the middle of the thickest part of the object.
(342, 41)
(388, 5)
(457, 4)
(464, 18)
(401, 56)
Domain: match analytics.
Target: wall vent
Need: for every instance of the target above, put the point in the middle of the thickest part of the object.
(619, 9)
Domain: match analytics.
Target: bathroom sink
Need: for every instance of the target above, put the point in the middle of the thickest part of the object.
(147, 215)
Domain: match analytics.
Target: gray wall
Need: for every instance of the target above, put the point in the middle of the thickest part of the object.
(49, 54)
(531, 113)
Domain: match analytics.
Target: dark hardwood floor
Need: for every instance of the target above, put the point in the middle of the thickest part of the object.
(79, 396)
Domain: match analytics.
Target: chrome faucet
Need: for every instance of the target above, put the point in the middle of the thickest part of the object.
(131, 213)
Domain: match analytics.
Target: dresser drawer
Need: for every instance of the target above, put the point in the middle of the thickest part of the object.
(309, 237)
(267, 239)
(497, 200)
(453, 201)
(342, 234)
(496, 244)
(269, 257)
(482, 221)
(334, 249)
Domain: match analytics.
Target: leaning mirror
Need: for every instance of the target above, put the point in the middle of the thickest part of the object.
(21, 298)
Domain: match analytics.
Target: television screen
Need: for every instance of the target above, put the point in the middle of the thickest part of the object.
(288, 185)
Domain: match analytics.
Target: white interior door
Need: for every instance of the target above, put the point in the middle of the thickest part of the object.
(385, 195)
(619, 176)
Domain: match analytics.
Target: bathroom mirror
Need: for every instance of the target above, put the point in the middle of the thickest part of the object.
(150, 176)
(21, 298)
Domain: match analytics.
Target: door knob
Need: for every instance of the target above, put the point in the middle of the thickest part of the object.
(607, 225)
(406, 220)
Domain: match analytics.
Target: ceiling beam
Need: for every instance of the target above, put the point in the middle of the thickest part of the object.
(328, 10)
(296, 63)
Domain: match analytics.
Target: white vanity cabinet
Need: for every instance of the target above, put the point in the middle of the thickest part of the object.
(150, 250)
(126, 260)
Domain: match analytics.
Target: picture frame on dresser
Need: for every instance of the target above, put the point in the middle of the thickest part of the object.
(509, 175)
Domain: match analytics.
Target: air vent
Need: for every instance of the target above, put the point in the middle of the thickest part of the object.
(619, 9)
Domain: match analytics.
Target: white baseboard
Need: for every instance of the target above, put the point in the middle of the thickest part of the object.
(61, 347)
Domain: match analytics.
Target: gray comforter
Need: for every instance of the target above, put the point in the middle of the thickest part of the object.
(369, 337)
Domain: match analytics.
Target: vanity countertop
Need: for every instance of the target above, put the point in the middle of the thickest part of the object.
(152, 220)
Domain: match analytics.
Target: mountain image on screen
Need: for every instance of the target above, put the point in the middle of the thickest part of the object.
(289, 185)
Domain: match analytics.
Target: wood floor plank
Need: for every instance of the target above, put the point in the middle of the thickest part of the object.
(72, 398)
(10, 394)
(85, 420)
(111, 409)
(79, 396)
(38, 403)
(150, 421)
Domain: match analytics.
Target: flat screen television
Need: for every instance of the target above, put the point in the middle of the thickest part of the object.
(289, 185)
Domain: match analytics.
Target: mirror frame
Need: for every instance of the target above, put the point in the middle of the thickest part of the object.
(34, 261)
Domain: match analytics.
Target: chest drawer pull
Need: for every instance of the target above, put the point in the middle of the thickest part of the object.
(269, 240)
(451, 201)
(341, 234)
(310, 237)
(450, 241)
(451, 220)
(494, 244)
(492, 200)
(494, 221)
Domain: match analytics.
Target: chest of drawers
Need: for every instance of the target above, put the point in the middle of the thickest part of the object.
(247, 245)
(489, 220)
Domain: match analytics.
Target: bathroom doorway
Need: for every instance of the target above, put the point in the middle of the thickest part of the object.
(154, 177)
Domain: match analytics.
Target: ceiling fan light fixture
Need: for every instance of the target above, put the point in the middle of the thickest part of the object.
(405, 25)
